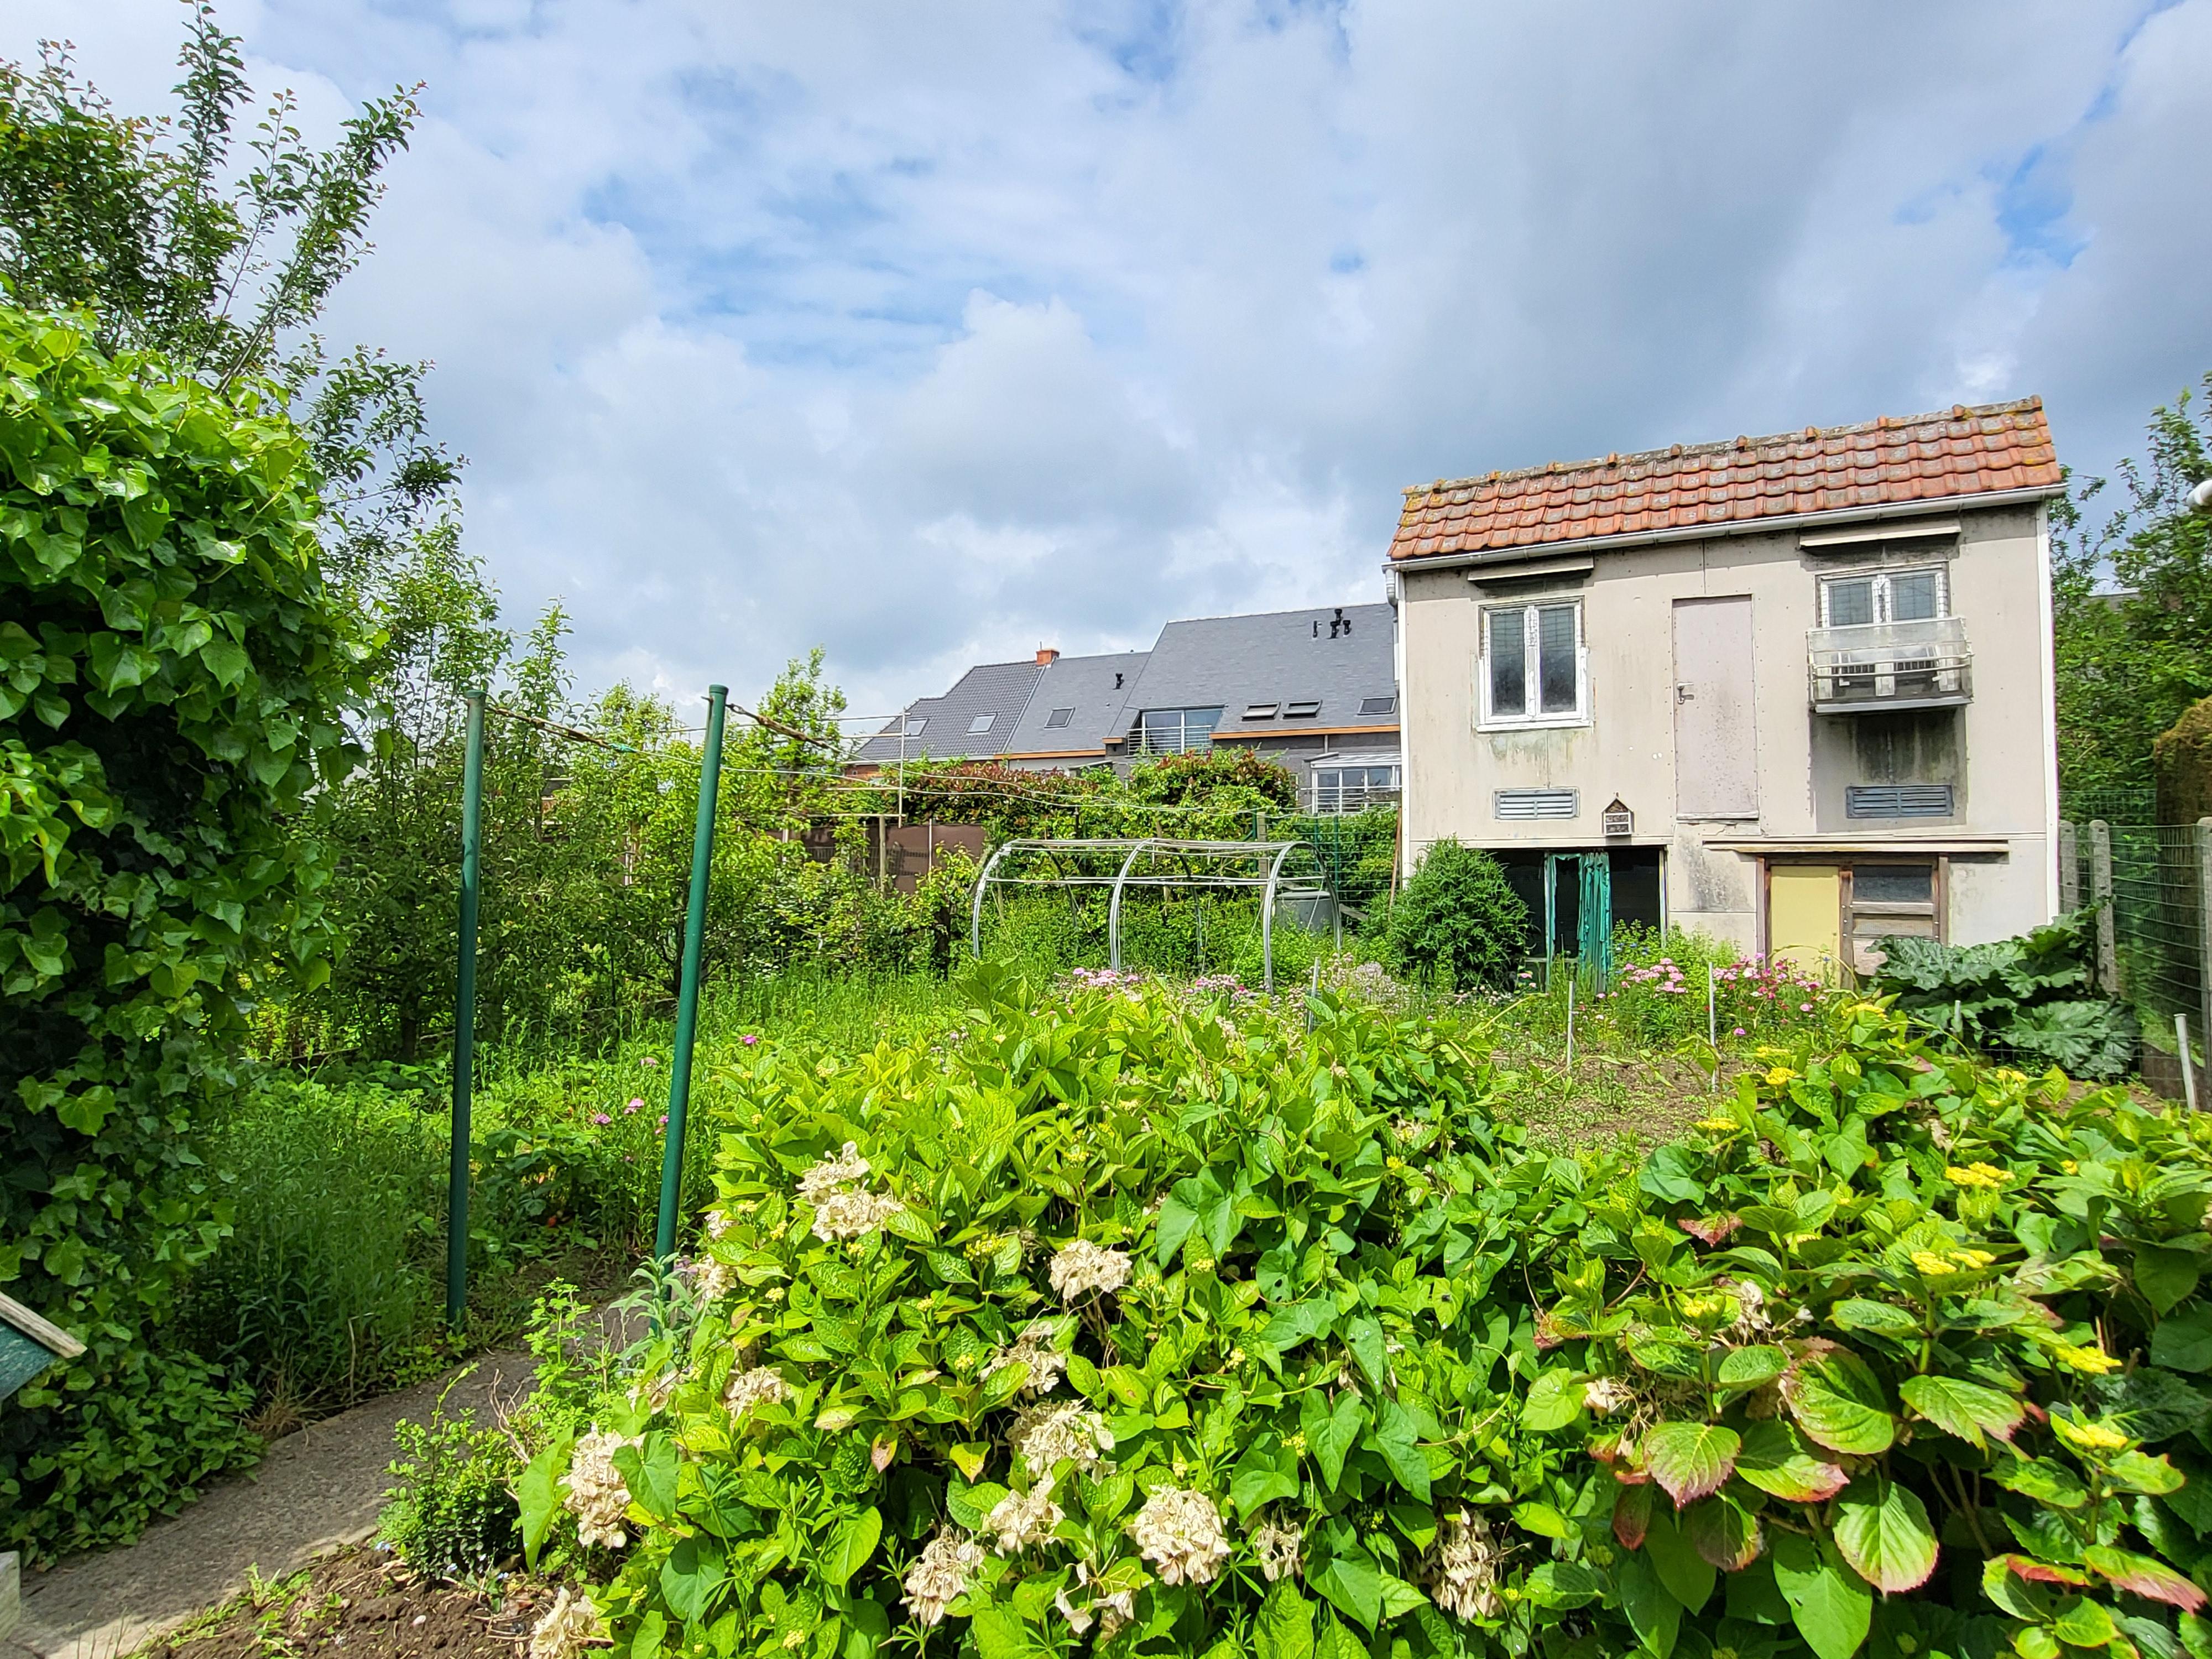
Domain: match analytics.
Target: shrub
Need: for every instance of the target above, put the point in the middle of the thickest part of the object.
(451, 1512)
(1457, 923)
(172, 677)
(2029, 997)
(1129, 1324)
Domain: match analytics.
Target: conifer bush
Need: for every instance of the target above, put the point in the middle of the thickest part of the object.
(1173, 1326)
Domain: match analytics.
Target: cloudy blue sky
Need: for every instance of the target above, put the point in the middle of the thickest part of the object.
(935, 333)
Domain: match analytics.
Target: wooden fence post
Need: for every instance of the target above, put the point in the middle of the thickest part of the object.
(2070, 868)
(2100, 895)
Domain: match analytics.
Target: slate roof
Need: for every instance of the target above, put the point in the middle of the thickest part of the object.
(1889, 461)
(1086, 685)
(1337, 655)
(1000, 690)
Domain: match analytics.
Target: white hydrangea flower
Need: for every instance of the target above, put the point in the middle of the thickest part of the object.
(942, 1572)
(596, 1493)
(1279, 1548)
(1605, 1394)
(1034, 1349)
(763, 1386)
(852, 1213)
(1043, 1435)
(719, 1222)
(569, 1624)
(1081, 1266)
(1462, 1568)
(713, 1280)
(826, 1177)
(1021, 1519)
(1180, 1533)
(1108, 1609)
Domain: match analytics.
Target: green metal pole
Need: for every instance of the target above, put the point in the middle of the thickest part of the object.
(687, 994)
(464, 1018)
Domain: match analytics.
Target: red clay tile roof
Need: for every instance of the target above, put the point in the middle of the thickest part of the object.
(1921, 458)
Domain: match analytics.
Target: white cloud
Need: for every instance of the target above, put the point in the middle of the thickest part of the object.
(936, 332)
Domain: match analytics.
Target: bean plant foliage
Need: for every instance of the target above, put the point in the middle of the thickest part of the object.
(1175, 1327)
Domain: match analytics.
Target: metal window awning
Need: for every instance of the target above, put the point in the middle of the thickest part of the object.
(1277, 870)
(1904, 845)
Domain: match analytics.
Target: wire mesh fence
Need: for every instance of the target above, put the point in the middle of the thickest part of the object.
(2149, 884)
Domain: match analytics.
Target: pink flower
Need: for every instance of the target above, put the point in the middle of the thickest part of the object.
(749, 1039)
(601, 1117)
(1740, 1031)
(664, 1119)
(1804, 1007)
(634, 1106)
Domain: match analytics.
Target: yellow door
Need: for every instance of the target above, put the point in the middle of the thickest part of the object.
(1804, 917)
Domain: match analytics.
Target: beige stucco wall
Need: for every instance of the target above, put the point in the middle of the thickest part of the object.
(1996, 751)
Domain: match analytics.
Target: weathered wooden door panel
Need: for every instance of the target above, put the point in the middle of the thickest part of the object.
(1716, 725)
(1805, 917)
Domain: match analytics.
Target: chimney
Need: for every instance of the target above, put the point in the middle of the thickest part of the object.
(1046, 656)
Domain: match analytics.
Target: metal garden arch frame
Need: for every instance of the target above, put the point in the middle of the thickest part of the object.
(1273, 868)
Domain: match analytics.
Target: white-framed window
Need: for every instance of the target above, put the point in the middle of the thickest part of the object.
(917, 725)
(1533, 668)
(981, 724)
(1174, 730)
(1884, 596)
(1343, 786)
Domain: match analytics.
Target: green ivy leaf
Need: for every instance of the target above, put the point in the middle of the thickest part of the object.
(1353, 1582)
(1831, 1605)
(1653, 1613)
(1554, 1400)
(1397, 1436)
(1882, 1530)
(1268, 1470)
(1688, 1574)
(1364, 1336)
(850, 1547)
(2166, 1277)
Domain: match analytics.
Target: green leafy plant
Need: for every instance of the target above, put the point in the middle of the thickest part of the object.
(1178, 1328)
(173, 674)
(2030, 996)
(451, 1510)
(1457, 923)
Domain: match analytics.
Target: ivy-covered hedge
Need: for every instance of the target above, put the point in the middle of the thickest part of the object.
(1174, 1328)
(172, 676)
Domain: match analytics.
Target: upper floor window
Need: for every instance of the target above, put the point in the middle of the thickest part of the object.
(1534, 670)
(1342, 788)
(1172, 730)
(1883, 596)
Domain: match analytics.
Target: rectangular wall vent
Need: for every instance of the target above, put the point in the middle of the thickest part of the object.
(1897, 801)
(1525, 804)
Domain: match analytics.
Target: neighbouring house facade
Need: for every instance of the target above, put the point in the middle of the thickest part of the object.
(1794, 691)
(1315, 689)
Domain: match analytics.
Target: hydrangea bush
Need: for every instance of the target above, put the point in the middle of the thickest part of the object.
(1133, 1325)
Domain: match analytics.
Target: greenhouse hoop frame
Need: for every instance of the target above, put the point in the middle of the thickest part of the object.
(1269, 867)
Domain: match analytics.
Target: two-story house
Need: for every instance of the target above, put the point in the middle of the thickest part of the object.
(1794, 691)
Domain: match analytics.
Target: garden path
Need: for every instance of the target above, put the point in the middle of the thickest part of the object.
(313, 1492)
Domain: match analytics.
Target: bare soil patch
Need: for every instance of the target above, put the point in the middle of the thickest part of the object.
(363, 1605)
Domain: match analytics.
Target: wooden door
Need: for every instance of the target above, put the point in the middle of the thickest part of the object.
(1805, 917)
(1716, 731)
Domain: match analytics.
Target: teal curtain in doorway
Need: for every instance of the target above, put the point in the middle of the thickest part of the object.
(1594, 941)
